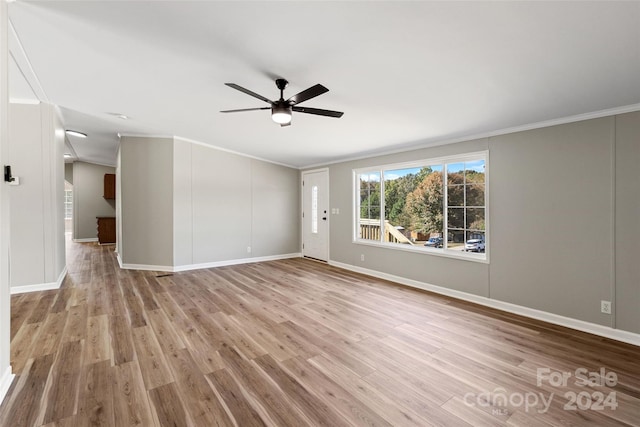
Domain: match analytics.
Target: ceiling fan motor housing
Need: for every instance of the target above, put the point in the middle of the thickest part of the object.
(281, 83)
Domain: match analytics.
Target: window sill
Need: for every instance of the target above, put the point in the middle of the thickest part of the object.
(482, 258)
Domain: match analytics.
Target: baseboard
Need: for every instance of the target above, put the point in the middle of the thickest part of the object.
(90, 239)
(235, 262)
(580, 325)
(5, 382)
(40, 286)
(175, 269)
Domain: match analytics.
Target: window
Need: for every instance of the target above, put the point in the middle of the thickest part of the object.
(434, 206)
(314, 209)
(68, 204)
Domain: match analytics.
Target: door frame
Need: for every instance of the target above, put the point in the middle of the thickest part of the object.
(302, 175)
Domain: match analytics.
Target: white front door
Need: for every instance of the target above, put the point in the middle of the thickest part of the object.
(315, 214)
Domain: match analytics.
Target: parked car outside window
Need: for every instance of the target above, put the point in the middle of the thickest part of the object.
(434, 242)
(474, 245)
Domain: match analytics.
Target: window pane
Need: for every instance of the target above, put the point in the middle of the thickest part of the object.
(314, 209)
(455, 217)
(369, 218)
(423, 205)
(475, 219)
(398, 184)
(455, 195)
(455, 173)
(474, 171)
(475, 194)
(455, 240)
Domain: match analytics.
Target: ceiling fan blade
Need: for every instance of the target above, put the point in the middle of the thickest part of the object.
(248, 92)
(307, 94)
(318, 111)
(245, 109)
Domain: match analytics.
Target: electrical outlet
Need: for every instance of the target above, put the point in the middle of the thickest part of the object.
(361, 257)
(605, 307)
(248, 249)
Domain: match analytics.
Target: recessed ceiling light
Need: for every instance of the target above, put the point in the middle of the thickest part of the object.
(120, 116)
(75, 133)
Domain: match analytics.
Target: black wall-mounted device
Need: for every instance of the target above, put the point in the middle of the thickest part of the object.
(7, 174)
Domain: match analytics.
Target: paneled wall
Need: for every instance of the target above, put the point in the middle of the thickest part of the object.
(36, 136)
(211, 206)
(564, 208)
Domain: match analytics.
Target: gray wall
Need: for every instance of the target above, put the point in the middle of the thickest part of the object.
(551, 218)
(225, 203)
(88, 200)
(146, 182)
(68, 173)
(37, 203)
(215, 204)
(627, 221)
(561, 199)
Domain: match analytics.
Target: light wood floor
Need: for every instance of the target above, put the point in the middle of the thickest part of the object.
(290, 343)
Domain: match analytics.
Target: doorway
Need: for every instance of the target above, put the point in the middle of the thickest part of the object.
(315, 217)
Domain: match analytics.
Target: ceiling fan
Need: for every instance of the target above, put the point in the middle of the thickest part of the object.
(281, 109)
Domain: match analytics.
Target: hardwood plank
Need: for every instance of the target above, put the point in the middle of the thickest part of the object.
(165, 332)
(22, 345)
(266, 398)
(203, 404)
(62, 395)
(41, 310)
(333, 395)
(21, 307)
(168, 406)
(25, 409)
(235, 400)
(121, 340)
(95, 402)
(130, 401)
(98, 343)
(76, 327)
(51, 334)
(314, 409)
(153, 364)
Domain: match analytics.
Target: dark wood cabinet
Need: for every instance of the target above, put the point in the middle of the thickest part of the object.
(106, 229)
(109, 186)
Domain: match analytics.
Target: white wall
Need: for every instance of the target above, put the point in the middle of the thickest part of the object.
(220, 204)
(88, 200)
(36, 136)
(5, 299)
(564, 208)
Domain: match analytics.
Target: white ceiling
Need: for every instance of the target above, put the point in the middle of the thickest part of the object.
(406, 74)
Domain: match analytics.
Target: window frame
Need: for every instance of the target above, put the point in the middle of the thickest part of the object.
(436, 161)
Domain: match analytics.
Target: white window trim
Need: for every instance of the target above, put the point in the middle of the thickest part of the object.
(446, 253)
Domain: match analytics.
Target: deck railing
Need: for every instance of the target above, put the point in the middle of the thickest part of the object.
(370, 230)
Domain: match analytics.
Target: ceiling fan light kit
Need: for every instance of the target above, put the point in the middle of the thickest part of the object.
(281, 110)
(281, 114)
